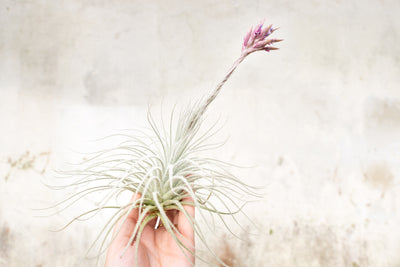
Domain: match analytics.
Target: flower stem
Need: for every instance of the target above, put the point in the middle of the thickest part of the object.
(197, 115)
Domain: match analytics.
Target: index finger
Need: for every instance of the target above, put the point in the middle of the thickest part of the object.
(126, 224)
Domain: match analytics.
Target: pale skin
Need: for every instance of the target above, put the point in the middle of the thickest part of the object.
(157, 248)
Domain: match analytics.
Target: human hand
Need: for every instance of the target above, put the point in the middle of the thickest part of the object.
(156, 248)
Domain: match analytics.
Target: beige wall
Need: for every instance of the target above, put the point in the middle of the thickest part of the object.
(320, 118)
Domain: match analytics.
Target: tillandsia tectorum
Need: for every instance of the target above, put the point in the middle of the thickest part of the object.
(162, 168)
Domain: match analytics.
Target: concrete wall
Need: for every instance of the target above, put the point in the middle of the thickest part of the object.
(320, 118)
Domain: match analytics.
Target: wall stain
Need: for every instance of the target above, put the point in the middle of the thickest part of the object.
(227, 254)
(42, 39)
(28, 161)
(383, 112)
(101, 87)
(5, 241)
(303, 244)
(379, 176)
(231, 252)
(322, 241)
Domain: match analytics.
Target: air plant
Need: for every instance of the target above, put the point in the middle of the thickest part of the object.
(163, 167)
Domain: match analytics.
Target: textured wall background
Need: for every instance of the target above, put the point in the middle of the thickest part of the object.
(320, 118)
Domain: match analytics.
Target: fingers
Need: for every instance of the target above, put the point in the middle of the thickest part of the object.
(189, 208)
(126, 224)
(185, 226)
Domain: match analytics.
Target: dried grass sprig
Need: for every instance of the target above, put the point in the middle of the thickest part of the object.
(162, 166)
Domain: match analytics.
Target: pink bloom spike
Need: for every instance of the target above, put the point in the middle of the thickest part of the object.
(258, 32)
(259, 28)
(269, 48)
(255, 39)
(266, 31)
(247, 37)
(274, 29)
